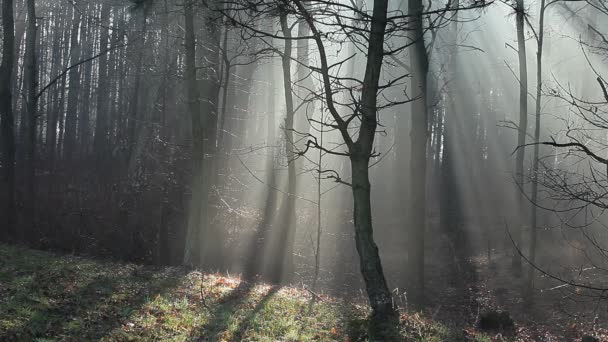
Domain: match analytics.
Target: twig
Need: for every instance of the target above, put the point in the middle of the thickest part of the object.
(550, 275)
(272, 187)
(314, 294)
(62, 74)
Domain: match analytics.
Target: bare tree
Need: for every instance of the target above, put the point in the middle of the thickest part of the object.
(360, 151)
(6, 112)
(71, 118)
(540, 36)
(523, 118)
(193, 240)
(574, 187)
(30, 108)
(419, 65)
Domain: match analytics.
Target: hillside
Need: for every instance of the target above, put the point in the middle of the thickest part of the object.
(48, 297)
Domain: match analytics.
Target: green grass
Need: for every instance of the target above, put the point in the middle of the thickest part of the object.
(47, 297)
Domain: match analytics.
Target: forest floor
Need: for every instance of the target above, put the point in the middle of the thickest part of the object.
(49, 297)
(554, 312)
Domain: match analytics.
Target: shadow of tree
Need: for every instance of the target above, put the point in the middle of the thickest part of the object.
(245, 322)
(72, 300)
(222, 311)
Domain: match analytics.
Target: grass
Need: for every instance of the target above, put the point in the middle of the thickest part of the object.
(48, 297)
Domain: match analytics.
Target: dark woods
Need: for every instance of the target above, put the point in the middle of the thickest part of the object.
(332, 142)
(100, 165)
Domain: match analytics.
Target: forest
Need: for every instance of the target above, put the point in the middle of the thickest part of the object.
(294, 170)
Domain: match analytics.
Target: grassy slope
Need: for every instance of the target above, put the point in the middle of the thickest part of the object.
(47, 297)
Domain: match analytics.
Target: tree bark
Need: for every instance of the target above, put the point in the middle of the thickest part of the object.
(211, 235)
(84, 112)
(286, 240)
(418, 141)
(135, 101)
(102, 113)
(535, 165)
(361, 151)
(30, 104)
(259, 241)
(369, 258)
(456, 140)
(192, 252)
(71, 117)
(523, 126)
(55, 91)
(6, 114)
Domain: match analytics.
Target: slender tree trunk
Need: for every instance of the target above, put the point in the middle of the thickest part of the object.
(539, 86)
(523, 127)
(226, 79)
(135, 100)
(319, 209)
(210, 93)
(164, 247)
(304, 80)
(84, 111)
(102, 112)
(192, 250)
(360, 152)
(19, 32)
(418, 164)
(30, 104)
(6, 114)
(259, 241)
(71, 117)
(369, 258)
(456, 121)
(286, 240)
(55, 92)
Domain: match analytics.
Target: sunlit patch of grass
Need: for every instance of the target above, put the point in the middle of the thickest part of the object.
(44, 296)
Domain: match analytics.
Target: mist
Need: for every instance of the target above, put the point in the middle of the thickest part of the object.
(447, 158)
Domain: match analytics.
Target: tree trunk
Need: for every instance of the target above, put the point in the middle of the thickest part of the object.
(192, 250)
(305, 81)
(455, 142)
(539, 86)
(209, 91)
(55, 91)
(6, 114)
(135, 100)
(101, 121)
(226, 78)
(360, 152)
(369, 258)
(418, 164)
(523, 128)
(286, 236)
(259, 241)
(30, 104)
(89, 74)
(71, 117)
(319, 211)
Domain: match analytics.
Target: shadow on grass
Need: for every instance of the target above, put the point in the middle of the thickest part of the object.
(71, 300)
(361, 327)
(245, 322)
(222, 311)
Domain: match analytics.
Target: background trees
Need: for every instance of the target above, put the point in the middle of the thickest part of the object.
(211, 133)
(6, 108)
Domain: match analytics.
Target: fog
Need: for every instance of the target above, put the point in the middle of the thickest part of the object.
(236, 136)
